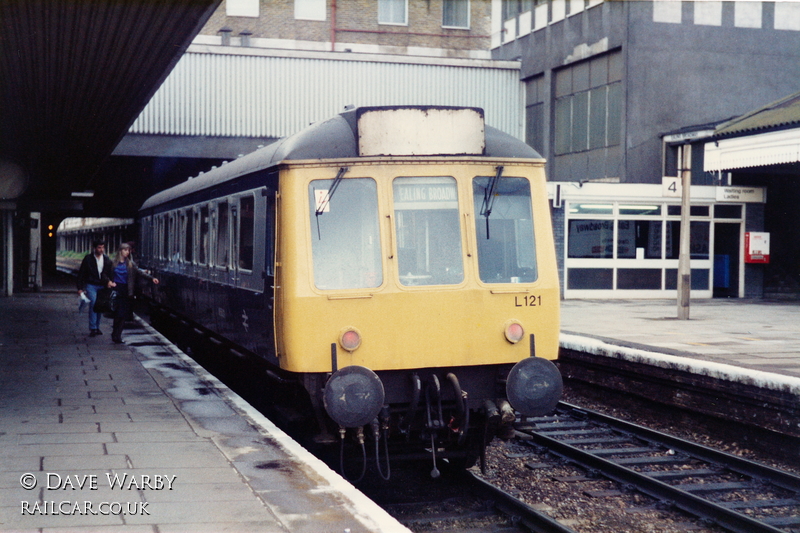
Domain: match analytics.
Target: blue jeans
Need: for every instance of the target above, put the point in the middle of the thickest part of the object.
(94, 318)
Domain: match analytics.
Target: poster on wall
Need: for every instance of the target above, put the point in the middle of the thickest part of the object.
(756, 247)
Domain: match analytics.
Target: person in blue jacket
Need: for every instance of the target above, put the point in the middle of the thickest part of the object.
(123, 279)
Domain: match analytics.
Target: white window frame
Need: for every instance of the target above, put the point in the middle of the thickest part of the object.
(242, 8)
(388, 3)
(469, 15)
(615, 263)
(310, 10)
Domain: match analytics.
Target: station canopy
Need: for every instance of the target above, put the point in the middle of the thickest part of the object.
(767, 136)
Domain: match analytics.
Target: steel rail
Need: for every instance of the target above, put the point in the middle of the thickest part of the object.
(695, 505)
(520, 511)
(734, 463)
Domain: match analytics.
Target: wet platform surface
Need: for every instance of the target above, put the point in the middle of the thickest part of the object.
(102, 437)
(756, 335)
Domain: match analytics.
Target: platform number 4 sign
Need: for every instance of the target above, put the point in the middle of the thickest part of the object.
(671, 187)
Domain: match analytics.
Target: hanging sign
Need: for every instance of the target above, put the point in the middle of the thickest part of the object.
(741, 194)
(756, 247)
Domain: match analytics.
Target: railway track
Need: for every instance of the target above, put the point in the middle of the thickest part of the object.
(458, 502)
(735, 494)
(725, 492)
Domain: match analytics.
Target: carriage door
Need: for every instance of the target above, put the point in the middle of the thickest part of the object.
(234, 264)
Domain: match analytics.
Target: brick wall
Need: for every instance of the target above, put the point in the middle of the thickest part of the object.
(357, 23)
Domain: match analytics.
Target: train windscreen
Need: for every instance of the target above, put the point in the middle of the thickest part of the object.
(345, 238)
(428, 231)
(504, 229)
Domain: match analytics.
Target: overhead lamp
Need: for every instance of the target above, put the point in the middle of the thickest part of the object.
(83, 194)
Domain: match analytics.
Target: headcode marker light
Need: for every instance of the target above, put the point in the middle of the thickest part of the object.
(350, 339)
(514, 332)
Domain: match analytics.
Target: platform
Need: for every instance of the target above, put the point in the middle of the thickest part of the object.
(742, 339)
(136, 437)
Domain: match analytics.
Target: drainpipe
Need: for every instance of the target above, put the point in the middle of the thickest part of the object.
(333, 25)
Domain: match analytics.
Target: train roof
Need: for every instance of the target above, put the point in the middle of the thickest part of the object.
(338, 138)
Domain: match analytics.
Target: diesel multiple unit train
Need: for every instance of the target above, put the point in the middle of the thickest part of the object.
(395, 265)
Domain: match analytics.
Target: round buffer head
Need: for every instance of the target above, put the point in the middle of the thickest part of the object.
(353, 396)
(534, 386)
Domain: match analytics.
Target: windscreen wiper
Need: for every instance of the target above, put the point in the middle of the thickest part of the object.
(489, 198)
(327, 200)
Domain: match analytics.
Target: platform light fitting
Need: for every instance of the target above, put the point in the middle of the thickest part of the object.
(83, 194)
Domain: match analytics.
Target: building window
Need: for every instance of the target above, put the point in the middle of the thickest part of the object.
(625, 246)
(534, 127)
(589, 119)
(393, 12)
(241, 8)
(639, 239)
(310, 9)
(512, 8)
(588, 238)
(534, 113)
(455, 14)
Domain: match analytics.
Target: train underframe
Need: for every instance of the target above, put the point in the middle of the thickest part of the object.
(431, 414)
(428, 414)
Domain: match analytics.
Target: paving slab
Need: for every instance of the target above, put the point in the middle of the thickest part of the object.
(138, 438)
(718, 330)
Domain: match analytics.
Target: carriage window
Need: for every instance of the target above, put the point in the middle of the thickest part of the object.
(428, 231)
(165, 226)
(504, 227)
(246, 225)
(223, 238)
(175, 241)
(345, 238)
(157, 237)
(189, 237)
(202, 252)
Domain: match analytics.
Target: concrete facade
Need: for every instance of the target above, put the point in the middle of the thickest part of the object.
(615, 89)
(678, 68)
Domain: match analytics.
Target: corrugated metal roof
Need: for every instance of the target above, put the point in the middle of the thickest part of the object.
(248, 95)
(784, 112)
(74, 75)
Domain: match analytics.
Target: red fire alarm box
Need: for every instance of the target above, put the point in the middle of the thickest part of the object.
(756, 247)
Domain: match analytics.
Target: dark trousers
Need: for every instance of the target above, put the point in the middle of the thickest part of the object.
(122, 312)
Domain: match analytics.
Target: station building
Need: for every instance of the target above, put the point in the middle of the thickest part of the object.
(259, 70)
(621, 97)
(612, 93)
